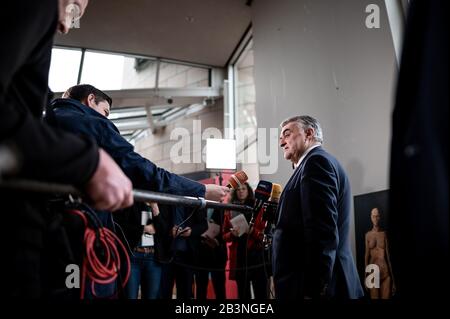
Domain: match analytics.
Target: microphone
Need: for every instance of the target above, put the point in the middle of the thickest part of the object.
(270, 207)
(275, 193)
(269, 213)
(262, 194)
(237, 180)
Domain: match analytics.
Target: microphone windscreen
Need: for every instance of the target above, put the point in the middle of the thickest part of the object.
(263, 190)
(237, 180)
(276, 193)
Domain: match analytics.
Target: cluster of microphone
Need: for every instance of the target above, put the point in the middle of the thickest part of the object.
(267, 196)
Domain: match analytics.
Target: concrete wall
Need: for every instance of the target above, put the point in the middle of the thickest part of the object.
(318, 58)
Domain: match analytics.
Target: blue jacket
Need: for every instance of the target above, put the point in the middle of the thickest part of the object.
(73, 116)
(311, 243)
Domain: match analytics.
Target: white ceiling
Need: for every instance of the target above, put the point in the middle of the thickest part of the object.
(162, 28)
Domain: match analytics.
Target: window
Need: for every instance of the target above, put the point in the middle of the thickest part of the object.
(245, 112)
(245, 89)
(64, 68)
(104, 71)
(108, 71)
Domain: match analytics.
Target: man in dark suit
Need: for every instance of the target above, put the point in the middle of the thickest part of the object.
(311, 244)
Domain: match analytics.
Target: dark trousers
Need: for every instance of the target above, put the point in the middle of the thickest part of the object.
(178, 272)
(252, 269)
(218, 281)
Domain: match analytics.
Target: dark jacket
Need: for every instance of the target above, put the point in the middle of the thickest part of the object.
(214, 257)
(238, 257)
(311, 243)
(198, 224)
(27, 29)
(75, 117)
(131, 230)
(418, 220)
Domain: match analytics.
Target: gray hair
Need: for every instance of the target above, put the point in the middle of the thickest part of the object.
(307, 122)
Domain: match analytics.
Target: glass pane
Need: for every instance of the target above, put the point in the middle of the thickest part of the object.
(182, 76)
(245, 114)
(116, 72)
(104, 71)
(64, 68)
(245, 90)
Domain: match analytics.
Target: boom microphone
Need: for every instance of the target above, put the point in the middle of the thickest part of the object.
(237, 180)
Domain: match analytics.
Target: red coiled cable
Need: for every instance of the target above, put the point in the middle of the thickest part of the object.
(101, 270)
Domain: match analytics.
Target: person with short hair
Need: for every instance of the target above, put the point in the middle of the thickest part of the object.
(311, 250)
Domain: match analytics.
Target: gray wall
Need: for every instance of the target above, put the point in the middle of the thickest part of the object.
(318, 58)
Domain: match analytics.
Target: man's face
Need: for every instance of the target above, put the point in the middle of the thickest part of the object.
(101, 107)
(293, 141)
(65, 8)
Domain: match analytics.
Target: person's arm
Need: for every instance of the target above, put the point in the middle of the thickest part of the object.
(200, 224)
(129, 226)
(227, 232)
(256, 232)
(43, 153)
(320, 213)
(161, 223)
(217, 217)
(145, 174)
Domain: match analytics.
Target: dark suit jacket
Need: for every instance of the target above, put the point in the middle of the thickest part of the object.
(311, 246)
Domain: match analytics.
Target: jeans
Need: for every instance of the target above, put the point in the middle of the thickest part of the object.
(145, 271)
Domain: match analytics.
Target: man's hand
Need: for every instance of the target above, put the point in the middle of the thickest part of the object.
(235, 231)
(149, 229)
(211, 242)
(183, 232)
(186, 232)
(216, 192)
(109, 188)
(155, 209)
